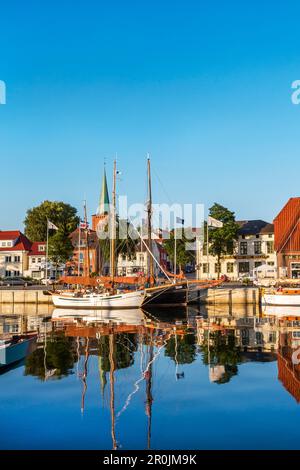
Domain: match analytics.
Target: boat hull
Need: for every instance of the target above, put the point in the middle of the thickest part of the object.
(12, 353)
(281, 299)
(167, 296)
(98, 301)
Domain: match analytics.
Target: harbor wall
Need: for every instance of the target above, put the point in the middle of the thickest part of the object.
(11, 296)
(230, 296)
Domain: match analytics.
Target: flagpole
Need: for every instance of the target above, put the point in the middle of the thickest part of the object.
(46, 273)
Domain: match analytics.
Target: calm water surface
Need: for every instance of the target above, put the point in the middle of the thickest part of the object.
(179, 380)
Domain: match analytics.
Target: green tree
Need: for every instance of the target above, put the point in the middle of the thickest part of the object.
(60, 248)
(183, 255)
(63, 215)
(125, 245)
(221, 240)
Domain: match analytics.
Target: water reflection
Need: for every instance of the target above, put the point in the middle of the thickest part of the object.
(222, 340)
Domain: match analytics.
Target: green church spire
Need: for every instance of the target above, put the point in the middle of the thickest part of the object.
(104, 198)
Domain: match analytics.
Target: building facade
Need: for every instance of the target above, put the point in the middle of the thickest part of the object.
(287, 239)
(253, 248)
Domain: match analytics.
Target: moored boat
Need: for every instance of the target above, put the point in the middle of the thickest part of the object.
(14, 348)
(104, 300)
(281, 297)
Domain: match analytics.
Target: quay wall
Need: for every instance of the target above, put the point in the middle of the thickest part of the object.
(11, 296)
(230, 296)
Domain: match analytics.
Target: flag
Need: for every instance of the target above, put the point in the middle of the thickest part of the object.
(51, 226)
(84, 225)
(211, 222)
(179, 221)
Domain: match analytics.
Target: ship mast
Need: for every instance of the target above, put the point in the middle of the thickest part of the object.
(113, 227)
(112, 389)
(149, 211)
(87, 258)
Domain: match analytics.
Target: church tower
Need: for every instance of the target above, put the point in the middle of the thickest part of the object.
(104, 206)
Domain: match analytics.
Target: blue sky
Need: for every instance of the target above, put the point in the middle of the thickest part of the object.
(205, 87)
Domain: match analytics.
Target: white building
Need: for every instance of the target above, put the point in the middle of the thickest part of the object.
(14, 251)
(21, 257)
(254, 247)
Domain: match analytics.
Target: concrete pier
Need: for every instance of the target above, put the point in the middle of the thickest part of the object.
(230, 296)
(18, 296)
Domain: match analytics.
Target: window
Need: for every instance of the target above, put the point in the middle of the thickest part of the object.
(272, 337)
(3, 243)
(270, 263)
(257, 248)
(39, 260)
(7, 259)
(243, 248)
(217, 268)
(33, 260)
(205, 270)
(244, 267)
(41, 247)
(230, 268)
(7, 273)
(270, 247)
(257, 264)
(17, 259)
(256, 236)
(16, 273)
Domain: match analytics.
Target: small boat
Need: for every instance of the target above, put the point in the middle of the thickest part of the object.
(283, 297)
(14, 348)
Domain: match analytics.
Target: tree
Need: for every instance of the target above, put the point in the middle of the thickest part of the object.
(221, 240)
(183, 255)
(60, 248)
(63, 215)
(124, 245)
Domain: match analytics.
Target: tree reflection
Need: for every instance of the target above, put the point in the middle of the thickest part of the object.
(125, 347)
(219, 349)
(183, 350)
(55, 358)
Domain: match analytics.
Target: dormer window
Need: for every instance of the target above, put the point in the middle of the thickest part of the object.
(41, 247)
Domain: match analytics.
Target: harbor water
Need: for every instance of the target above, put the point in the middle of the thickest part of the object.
(181, 379)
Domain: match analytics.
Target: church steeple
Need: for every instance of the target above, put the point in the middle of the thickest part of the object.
(104, 197)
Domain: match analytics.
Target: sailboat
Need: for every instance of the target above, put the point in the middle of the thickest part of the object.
(107, 299)
(168, 294)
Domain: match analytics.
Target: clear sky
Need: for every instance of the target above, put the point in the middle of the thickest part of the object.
(205, 87)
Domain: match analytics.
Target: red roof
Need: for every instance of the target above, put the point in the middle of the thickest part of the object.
(9, 234)
(35, 249)
(22, 243)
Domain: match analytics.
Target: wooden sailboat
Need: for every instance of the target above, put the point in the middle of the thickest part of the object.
(143, 292)
(108, 298)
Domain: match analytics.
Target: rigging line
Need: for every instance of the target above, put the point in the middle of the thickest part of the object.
(136, 384)
(161, 184)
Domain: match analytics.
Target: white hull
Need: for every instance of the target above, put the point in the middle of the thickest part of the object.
(101, 301)
(284, 311)
(129, 316)
(281, 299)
